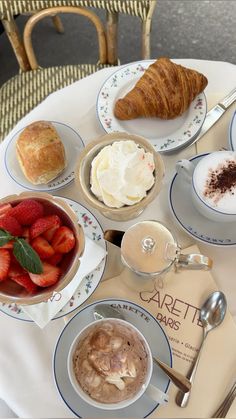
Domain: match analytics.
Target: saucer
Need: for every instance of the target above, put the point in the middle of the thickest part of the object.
(165, 135)
(194, 223)
(154, 335)
(94, 231)
(232, 133)
(73, 144)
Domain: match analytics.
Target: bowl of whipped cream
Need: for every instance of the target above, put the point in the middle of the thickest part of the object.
(119, 174)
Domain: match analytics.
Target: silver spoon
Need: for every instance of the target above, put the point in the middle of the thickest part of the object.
(211, 315)
(104, 311)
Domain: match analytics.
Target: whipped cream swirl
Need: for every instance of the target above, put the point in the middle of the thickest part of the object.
(122, 173)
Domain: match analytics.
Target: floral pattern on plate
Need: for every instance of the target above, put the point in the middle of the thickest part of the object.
(164, 135)
(94, 231)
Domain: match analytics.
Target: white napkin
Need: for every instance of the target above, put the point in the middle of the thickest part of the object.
(43, 312)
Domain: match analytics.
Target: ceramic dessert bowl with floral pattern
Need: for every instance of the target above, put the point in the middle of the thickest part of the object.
(119, 174)
(41, 244)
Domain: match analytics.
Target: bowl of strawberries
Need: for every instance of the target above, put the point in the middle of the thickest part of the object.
(41, 244)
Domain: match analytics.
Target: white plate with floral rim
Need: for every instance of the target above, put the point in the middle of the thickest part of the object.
(73, 145)
(194, 223)
(232, 133)
(94, 231)
(155, 336)
(164, 135)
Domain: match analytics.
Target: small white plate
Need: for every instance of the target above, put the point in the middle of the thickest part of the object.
(73, 145)
(164, 135)
(232, 133)
(151, 330)
(195, 224)
(94, 231)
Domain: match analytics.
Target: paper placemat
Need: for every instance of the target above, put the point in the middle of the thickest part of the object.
(176, 305)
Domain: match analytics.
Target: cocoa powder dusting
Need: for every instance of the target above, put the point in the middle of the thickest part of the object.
(221, 180)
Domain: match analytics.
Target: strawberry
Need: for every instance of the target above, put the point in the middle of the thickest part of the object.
(27, 211)
(26, 233)
(42, 247)
(43, 224)
(49, 276)
(4, 208)
(15, 270)
(63, 240)
(8, 245)
(50, 233)
(11, 225)
(14, 261)
(4, 263)
(55, 259)
(25, 281)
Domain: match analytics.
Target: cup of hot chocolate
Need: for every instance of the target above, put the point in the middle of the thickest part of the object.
(213, 184)
(110, 365)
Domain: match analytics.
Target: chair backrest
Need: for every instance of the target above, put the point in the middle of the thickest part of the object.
(35, 18)
(141, 8)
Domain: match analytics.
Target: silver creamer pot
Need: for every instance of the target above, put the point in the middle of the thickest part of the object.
(149, 249)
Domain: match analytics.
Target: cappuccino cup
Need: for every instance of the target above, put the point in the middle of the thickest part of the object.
(110, 365)
(213, 184)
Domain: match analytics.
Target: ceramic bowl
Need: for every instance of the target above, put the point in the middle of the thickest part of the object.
(71, 372)
(11, 292)
(83, 169)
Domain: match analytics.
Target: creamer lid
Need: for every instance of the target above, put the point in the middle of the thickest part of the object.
(148, 248)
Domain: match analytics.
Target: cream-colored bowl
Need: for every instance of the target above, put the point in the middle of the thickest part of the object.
(83, 169)
(11, 292)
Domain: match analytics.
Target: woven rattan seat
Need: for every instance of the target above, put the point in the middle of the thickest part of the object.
(26, 90)
(139, 8)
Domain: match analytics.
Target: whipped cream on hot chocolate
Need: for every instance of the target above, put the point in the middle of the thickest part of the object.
(110, 362)
(122, 174)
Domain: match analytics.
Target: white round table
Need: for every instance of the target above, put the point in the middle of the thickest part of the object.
(26, 382)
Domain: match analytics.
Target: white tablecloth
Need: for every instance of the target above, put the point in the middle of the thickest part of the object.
(26, 381)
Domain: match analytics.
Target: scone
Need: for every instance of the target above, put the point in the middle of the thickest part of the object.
(40, 152)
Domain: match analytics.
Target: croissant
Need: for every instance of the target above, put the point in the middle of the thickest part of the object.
(165, 90)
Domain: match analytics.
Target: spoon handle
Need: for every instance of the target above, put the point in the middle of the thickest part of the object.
(183, 398)
(176, 377)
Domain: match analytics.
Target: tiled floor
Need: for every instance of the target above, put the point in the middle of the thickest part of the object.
(203, 29)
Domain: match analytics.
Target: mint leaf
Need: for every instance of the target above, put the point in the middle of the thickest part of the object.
(27, 257)
(5, 237)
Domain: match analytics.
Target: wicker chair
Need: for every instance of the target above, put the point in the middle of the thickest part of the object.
(141, 8)
(24, 91)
